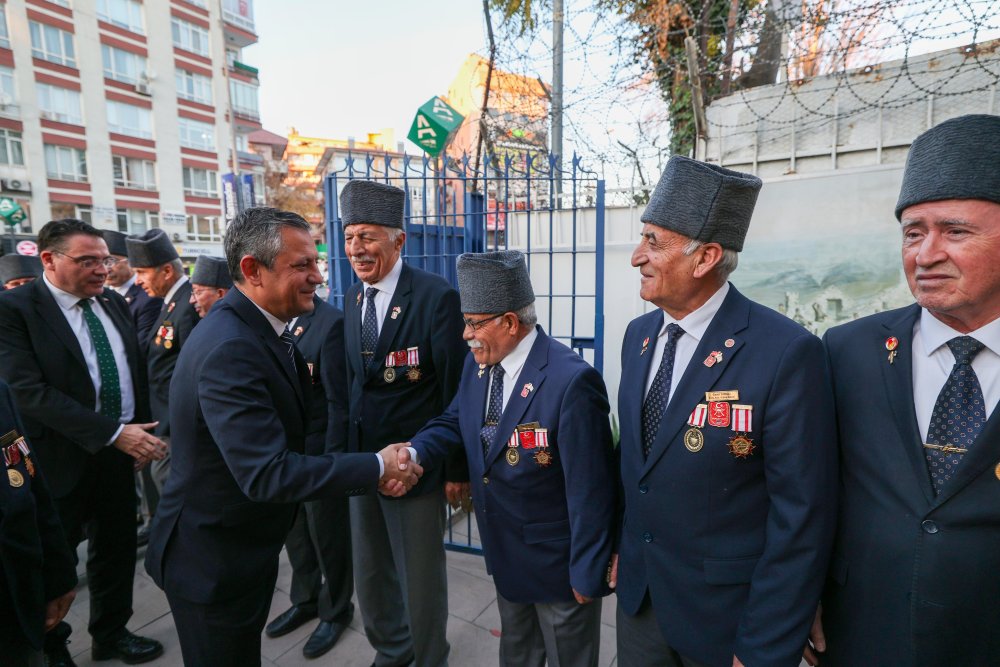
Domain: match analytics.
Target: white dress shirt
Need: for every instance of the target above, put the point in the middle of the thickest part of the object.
(512, 365)
(694, 325)
(933, 361)
(386, 288)
(125, 286)
(70, 307)
(173, 289)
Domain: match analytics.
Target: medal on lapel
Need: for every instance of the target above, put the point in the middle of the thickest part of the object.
(170, 308)
(713, 358)
(482, 369)
(413, 361)
(527, 389)
(718, 414)
(396, 310)
(645, 345)
(298, 331)
(740, 445)
(891, 343)
(694, 439)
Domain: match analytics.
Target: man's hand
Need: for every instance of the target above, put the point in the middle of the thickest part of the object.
(817, 640)
(458, 494)
(581, 598)
(55, 610)
(400, 474)
(140, 445)
(613, 571)
(736, 662)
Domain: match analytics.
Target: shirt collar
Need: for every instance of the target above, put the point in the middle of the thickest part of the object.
(65, 300)
(514, 361)
(173, 289)
(696, 322)
(934, 333)
(276, 324)
(388, 284)
(125, 286)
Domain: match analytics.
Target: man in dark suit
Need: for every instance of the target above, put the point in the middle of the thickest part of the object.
(145, 309)
(38, 573)
(210, 281)
(16, 270)
(533, 418)
(159, 271)
(240, 417)
(69, 352)
(319, 543)
(913, 579)
(728, 461)
(403, 328)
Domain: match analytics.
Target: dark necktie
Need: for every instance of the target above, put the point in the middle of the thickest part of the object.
(958, 416)
(111, 392)
(656, 400)
(495, 408)
(369, 328)
(289, 340)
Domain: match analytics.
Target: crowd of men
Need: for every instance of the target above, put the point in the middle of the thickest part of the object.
(772, 497)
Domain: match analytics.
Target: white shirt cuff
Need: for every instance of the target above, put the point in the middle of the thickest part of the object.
(121, 427)
(414, 456)
(381, 465)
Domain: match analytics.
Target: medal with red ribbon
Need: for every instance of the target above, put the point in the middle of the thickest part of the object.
(698, 416)
(743, 418)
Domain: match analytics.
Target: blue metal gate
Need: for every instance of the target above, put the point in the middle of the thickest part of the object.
(518, 200)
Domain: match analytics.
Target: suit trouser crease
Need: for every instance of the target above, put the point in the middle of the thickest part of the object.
(401, 577)
(641, 642)
(319, 550)
(566, 634)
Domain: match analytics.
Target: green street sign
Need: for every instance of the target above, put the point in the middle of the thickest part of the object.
(11, 211)
(435, 120)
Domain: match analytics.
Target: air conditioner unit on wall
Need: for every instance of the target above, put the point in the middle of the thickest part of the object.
(15, 185)
(143, 89)
(48, 115)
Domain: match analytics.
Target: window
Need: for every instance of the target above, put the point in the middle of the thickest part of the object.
(130, 119)
(195, 134)
(122, 13)
(10, 147)
(242, 143)
(189, 37)
(204, 228)
(8, 93)
(61, 104)
(52, 44)
(194, 87)
(65, 163)
(4, 36)
(131, 172)
(122, 65)
(245, 99)
(201, 182)
(136, 221)
(258, 189)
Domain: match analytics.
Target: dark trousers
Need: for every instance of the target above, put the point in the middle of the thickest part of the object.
(15, 651)
(560, 634)
(226, 633)
(641, 643)
(319, 549)
(101, 508)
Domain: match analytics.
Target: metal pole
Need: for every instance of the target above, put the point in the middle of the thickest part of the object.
(235, 160)
(557, 95)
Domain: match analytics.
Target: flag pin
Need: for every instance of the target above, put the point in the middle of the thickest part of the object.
(527, 389)
(645, 344)
(396, 310)
(891, 343)
(730, 342)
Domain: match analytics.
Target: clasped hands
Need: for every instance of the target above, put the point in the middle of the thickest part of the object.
(136, 441)
(401, 472)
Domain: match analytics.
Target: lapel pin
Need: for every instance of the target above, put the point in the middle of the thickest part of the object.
(713, 358)
(891, 343)
(396, 310)
(730, 342)
(527, 389)
(298, 331)
(170, 308)
(645, 344)
(482, 369)
(357, 302)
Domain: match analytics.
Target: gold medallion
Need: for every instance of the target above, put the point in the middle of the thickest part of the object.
(543, 458)
(389, 375)
(29, 465)
(741, 446)
(513, 456)
(15, 478)
(414, 374)
(168, 344)
(996, 471)
(157, 340)
(694, 440)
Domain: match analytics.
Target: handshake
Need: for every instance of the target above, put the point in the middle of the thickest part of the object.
(401, 472)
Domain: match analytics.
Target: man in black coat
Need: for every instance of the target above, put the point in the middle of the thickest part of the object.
(145, 309)
(16, 270)
(319, 544)
(69, 353)
(210, 281)
(239, 416)
(405, 352)
(37, 575)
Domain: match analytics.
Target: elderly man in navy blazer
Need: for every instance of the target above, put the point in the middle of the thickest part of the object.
(533, 418)
(914, 578)
(145, 309)
(728, 462)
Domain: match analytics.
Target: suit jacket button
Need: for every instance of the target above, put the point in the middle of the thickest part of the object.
(486, 480)
(929, 527)
(643, 488)
(647, 536)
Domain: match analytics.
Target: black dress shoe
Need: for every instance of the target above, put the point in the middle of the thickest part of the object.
(322, 639)
(130, 649)
(289, 620)
(58, 656)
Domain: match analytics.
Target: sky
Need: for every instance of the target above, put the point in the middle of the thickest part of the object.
(343, 68)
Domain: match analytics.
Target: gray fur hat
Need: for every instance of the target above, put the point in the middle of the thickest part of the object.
(211, 272)
(493, 282)
(116, 242)
(704, 202)
(153, 248)
(13, 267)
(958, 159)
(371, 203)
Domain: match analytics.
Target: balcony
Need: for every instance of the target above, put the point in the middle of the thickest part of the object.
(238, 18)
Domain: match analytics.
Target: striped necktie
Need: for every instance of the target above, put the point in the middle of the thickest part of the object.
(289, 340)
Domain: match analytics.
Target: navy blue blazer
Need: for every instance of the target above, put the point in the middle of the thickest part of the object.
(915, 577)
(145, 311)
(239, 415)
(176, 318)
(732, 551)
(427, 316)
(319, 336)
(546, 527)
(36, 564)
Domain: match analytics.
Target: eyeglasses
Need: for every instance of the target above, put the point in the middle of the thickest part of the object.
(89, 262)
(476, 325)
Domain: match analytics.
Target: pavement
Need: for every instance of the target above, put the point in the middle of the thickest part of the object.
(473, 622)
